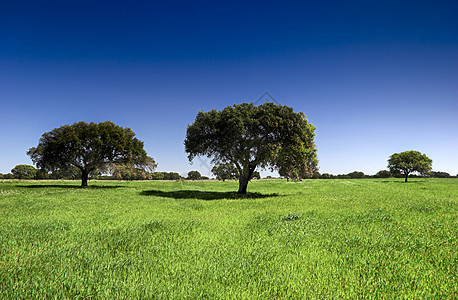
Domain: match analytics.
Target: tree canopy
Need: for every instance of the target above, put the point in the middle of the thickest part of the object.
(90, 147)
(129, 172)
(249, 136)
(409, 162)
(194, 175)
(24, 172)
(383, 174)
(439, 174)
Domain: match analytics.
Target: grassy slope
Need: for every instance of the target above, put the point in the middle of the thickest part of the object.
(315, 239)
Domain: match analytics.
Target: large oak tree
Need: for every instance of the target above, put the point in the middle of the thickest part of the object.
(409, 162)
(89, 147)
(249, 136)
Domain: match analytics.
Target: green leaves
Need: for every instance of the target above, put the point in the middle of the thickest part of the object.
(408, 162)
(24, 172)
(225, 171)
(194, 175)
(89, 147)
(248, 136)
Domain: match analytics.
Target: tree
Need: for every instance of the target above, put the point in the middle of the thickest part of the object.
(409, 162)
(325, 176)
(316, 175)
(24, 172)
(141, 174)
(440, 174)
(69, 173)
(194, 175)
(165, 176)
(383, 174)
(172, 176)
(225, 171)
(42, 174)
(121, 172)
(356, 175)
(157, 175)
(8, 176)
(90, 148)
(248, 136)
(290, 166)
(129, 172)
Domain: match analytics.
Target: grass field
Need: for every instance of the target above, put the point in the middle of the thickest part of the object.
(315, 239)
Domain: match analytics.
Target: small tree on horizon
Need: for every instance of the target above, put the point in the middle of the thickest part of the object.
(24, 172)
(409, 162)
(225, 171)
(356, 175)
(383, 174)
(194, 175)
(325, 176)
(439, 174)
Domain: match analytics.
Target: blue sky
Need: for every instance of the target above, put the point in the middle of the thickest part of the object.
(374, 77)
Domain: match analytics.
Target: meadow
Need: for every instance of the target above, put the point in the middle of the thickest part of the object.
(315, 239)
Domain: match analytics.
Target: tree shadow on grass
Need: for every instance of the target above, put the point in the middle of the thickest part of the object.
(68, 186)
(408, 182)
(204, 195)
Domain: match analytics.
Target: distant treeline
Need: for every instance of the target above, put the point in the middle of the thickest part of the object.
(73, 173)
(380, 174)
(142, 176)
(59, 175)
(126, 173)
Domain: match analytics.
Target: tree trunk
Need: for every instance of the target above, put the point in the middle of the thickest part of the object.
(244, 179)
(243, 183)
(407, 175)
(84, 177)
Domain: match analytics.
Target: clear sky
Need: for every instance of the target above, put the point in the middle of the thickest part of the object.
(374, 77)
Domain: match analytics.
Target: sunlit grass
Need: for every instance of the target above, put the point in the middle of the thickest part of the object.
(313, 239)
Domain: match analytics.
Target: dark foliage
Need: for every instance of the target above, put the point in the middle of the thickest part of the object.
(92, 148)
(248, 136)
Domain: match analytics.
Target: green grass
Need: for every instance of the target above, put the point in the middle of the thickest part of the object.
(191, 240)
